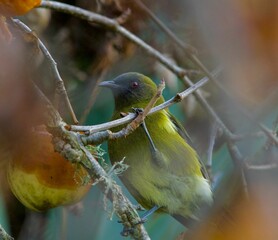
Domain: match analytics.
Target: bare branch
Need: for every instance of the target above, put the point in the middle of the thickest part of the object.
(268, 133)
(191, 52)
(114, 25)
(180, 72)
(123, 207)
(4, 235)
(69, 144)
(212, 138)
(99, 137)
(140, 118)
(210, 110)
(247, 136)
(262, 167)
(60, 87)
(179, 97)
(240, 163)
(185, 46)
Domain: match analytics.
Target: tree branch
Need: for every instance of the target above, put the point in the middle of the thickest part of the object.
(60, 86)
(185, 46)
(191, 52)
(99, 137)
(131, 127)
(114, 26)
(212, 138)
(69, 145)
(4, 235)
(179, 97)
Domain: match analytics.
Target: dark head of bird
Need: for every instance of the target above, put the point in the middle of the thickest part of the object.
(131, 90)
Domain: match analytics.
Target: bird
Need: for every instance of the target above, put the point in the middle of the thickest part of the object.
(164, 172)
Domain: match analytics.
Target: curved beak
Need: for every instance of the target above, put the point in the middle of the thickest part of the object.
(108, 84)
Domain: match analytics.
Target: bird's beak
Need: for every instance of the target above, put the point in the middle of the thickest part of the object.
(109, 84)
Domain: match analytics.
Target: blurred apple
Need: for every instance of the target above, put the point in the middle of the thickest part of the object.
(41, 178)
(17, 7)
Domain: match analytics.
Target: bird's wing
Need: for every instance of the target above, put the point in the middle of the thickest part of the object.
(182, 132)
(180, 129)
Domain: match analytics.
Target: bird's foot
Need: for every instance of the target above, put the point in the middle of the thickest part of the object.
(138, 111)
(139, 208)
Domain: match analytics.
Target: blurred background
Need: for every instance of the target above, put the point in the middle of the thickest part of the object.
(239, 36)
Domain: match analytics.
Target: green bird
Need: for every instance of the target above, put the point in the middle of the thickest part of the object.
(164, 172)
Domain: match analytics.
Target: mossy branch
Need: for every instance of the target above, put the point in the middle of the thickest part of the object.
(70, 146)
(4, 235)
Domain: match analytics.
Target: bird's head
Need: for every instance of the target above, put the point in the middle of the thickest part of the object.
(131, 90)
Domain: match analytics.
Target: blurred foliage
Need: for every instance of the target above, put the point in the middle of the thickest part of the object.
(241, 35)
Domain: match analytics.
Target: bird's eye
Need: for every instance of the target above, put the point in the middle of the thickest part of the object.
(134, 84)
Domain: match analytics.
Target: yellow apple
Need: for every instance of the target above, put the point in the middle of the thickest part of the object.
(41, 178)
(17, 7)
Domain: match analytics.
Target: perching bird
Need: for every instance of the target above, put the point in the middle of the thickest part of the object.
(164, 170)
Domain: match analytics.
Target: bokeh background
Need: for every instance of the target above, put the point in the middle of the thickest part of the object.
(239, 36)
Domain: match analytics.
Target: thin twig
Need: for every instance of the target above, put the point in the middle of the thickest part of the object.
(140, 118)
(239, 163)
(179, 97)
(69, 145)
(152, 102)
(60, 87)
(247, 136)
(99, 137)
(262, 167)
(268, 133)
(212, 138)
(209, 109)
(188, 49)
(185, 46)
(191, 52)
(4, 235)
(114, 26)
